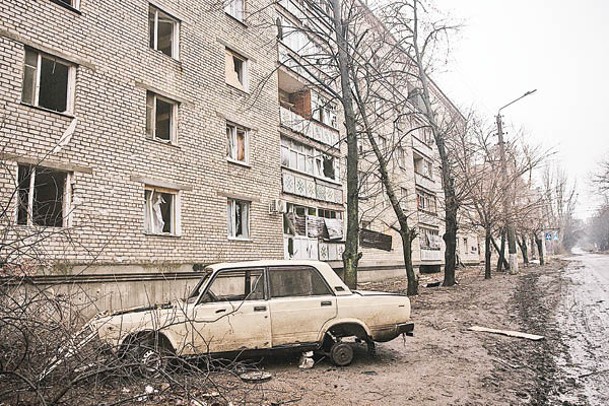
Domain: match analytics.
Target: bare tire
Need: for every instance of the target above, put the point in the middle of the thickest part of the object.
(341, 354)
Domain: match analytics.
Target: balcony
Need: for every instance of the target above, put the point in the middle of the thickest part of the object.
(424, 182)
(312, 248)
(309, 128)
(431, 255)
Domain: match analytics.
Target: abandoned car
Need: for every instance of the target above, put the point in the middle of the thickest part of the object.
(261, 305)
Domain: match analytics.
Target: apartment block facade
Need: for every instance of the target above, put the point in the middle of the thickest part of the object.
(141, 140)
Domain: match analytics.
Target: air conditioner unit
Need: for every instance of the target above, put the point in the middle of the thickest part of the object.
(278, 206)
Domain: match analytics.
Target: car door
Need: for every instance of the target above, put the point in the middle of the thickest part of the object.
(232, 314)
(301, 303)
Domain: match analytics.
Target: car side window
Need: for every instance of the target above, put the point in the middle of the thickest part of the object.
(297, 281)
(236, 285)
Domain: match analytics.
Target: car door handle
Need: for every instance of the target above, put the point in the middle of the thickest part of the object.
(220, 310)
(259, 308)
(326, 303)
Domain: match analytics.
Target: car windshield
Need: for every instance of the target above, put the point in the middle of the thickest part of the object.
(196, 292)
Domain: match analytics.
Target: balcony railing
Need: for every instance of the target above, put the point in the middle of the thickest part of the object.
(311, 248)
(309, 128)
(307, 186)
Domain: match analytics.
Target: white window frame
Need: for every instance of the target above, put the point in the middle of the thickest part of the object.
(66, 208)
(175, 33)
(37, 79)
(232, 220)
(308, 160)
(175, 211)
(239, 80)
(231, 149)
(151, 104)
(235, 9)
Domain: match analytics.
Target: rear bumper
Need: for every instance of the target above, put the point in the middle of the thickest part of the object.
(406, 328)
(383, 334)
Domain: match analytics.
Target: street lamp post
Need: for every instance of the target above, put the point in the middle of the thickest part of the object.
(507, 202)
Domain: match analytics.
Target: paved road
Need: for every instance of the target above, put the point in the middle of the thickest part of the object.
(584, 318)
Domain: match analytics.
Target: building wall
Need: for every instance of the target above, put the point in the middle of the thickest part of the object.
(109, 153)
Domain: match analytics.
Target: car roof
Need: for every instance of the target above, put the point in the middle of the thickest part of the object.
(267, 262)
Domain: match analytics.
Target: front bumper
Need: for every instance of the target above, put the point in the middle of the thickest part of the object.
(406, 328)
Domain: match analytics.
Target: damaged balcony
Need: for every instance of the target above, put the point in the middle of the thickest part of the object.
(306, 111)
(311, 233)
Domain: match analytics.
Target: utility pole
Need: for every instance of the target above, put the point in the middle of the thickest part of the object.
(508, 196)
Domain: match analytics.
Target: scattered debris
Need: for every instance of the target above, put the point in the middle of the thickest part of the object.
(369, 373)
(509, 333)
(255, 376)
(306, 360)
(434, 284)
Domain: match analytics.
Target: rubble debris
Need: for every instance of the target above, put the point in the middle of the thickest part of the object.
(306, 360)
(255, 376)
(434, 284)
(509, 333)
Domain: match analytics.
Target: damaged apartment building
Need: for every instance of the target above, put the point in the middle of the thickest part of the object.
(144, 139)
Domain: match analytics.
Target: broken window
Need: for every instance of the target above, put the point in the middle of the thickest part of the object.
(311, 161)
(236, 70)
(44, 196)
(323, 110)
(48, 82)
(161, 117)
(429, 239)
(297, 282)
(235, 8)
(160, 211)
(238, 212)
(164, 32)
(237, 143)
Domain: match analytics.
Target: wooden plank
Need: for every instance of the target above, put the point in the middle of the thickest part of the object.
(509, 333)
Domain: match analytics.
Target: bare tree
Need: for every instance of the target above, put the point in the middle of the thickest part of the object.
(413, 25)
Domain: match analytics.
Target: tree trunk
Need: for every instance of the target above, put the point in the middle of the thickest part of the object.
(487, 253)
(539, 243)
(351, 254)
(523, 247)
(448, 185)
(412, 280)
(501, 257)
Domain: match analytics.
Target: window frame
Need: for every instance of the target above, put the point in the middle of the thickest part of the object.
(242, 79)
(67, 203)
(153, 43)
(74, 4)
(236, 272)
(151, 108)
(292, 269)
(231, 220)
(238, 15)
(35, 97)
(293, 153)
(231, 148)
(175, 211)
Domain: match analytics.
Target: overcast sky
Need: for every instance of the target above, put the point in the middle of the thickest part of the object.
(506, 48)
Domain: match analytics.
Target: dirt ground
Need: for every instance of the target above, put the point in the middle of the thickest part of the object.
(445, 364)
